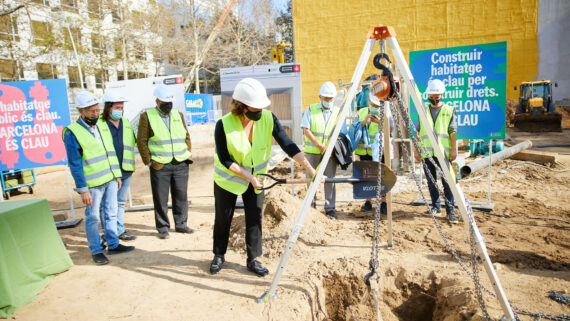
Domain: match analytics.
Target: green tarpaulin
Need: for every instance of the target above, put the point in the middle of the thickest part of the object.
(31, 252)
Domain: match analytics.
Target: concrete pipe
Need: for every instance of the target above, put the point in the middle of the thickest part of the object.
(476, 165)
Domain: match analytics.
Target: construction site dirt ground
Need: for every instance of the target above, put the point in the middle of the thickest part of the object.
(419, 278)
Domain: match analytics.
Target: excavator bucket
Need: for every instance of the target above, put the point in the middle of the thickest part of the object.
(539, 122)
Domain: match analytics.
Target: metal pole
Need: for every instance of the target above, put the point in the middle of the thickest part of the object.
(69, 193)
(455, 187)
(296, 230)
(130, 198)
(490, 171)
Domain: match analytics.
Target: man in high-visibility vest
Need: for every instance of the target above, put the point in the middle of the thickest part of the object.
(317, 124)
(442, 121)
(164, 145)
(95, 170)
(113, 121)
(370, 118)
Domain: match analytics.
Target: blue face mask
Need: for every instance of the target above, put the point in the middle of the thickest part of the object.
(327, 104)
(116, 114)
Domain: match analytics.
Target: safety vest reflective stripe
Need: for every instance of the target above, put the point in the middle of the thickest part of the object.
(253, 157)
(97, 175)
(167, 143)
(128, 161)
(166, 154)
(440, 127)
(95, 160)
(233, 178)
(129, 148)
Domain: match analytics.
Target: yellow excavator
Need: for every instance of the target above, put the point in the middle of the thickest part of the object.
(535, 110)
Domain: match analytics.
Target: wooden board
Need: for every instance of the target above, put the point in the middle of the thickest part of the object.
(226, 104)
(536, 156)
(281, 106)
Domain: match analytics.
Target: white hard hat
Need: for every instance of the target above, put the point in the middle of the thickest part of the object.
(435, 87)
(252, 93)
(113, 96)
(373, 99)
(86, 99)
(328, 89)
(163, 93)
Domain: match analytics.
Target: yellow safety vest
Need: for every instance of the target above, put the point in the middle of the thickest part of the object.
(441, 128)
(362, 149)
(128, 143)
(254, 156)
(100, 164)
(320, 130)
(167, 144)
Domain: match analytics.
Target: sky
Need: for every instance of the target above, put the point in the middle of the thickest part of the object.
(279, 4)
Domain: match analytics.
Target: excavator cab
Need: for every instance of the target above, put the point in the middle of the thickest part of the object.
(535, 110)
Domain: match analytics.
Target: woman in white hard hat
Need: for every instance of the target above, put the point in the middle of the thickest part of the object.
(442, 119)
(243, 145)
(113, 120)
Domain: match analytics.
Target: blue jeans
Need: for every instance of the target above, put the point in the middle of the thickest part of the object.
(434, 192)
(104, 200)
(121, 200)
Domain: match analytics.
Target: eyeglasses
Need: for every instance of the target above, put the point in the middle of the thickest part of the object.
(92, 111)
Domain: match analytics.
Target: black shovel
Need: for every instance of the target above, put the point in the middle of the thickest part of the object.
(364, 179)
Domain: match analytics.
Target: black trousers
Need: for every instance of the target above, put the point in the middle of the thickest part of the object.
(173, 177)
(225, 206)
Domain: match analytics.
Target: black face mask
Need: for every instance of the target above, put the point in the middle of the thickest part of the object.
(434, 102)
(253, 115)
(90, 121)
(165, 108)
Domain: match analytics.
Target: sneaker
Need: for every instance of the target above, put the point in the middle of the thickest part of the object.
(127, 237)
(216, 265)
(100, 259)
(120, 249)
(433, 211)
(256, 267)
(366, 207)
(184, 229)
(383, 208)
(163, 235)
(332, 214)
(451, 218)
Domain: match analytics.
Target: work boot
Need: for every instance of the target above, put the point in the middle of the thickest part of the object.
(314, 204)
(163, 235)
(433, 211)
(127, 237)
(451, 218)
(383, 208)
(184, 229)
(256, 267)
(331, 213)
(100, 259)
(216, 265)
(120, 249)
(367, 207)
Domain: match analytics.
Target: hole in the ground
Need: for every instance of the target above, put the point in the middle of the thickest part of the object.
(403, 296)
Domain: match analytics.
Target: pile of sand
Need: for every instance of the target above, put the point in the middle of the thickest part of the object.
(279, 214)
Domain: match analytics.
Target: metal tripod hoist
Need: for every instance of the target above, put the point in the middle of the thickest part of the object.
(387, 35)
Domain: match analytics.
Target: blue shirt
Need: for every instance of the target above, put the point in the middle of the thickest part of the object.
(74, 154)
(117, 134)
